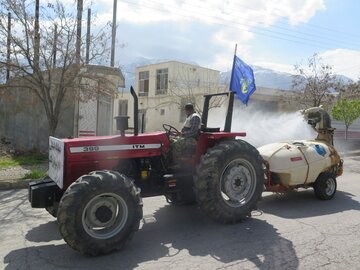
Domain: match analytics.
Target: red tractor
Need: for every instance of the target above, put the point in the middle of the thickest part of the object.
(95, 185)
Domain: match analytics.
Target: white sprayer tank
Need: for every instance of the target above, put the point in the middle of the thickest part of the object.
(297, 162)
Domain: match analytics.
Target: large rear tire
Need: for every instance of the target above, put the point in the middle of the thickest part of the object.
(229, 181)
(100, 212)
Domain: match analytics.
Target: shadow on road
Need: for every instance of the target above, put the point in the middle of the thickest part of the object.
(8, 194)
(177, 232)
(11, 207)
(303, 204)
(44, 233)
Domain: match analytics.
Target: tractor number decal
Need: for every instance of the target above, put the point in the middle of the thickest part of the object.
(123, 147)
(90, 148)
(296, 158)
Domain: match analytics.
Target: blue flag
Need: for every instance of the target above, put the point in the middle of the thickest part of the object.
(242, 80)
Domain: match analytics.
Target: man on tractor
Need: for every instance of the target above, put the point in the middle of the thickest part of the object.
(185, 145)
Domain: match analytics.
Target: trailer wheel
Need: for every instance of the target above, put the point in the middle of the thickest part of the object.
(325, 186)
(229, 181)
(100, 212)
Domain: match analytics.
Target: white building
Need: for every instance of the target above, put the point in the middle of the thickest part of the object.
(164, 88)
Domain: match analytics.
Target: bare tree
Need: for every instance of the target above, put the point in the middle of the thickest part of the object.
(350, 90)
(315, 81)
(187, 85)
(44, 62)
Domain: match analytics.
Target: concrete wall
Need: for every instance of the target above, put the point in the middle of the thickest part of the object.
(23, 120)
(24, 123)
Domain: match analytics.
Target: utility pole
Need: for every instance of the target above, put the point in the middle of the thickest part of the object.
(55, 46)
(88, 36)
(37, 37)
(78, 30)
(113, 35)
(8, 48)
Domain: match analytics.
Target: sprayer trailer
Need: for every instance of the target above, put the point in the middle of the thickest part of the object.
(96, 185)
(305, 163)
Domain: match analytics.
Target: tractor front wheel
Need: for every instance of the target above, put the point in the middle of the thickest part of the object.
(100, 212)
(229, 181)
(52, 210)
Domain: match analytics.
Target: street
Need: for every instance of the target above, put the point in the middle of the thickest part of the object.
(291, 231)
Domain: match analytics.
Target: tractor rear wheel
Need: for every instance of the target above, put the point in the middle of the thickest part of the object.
(325, 186)
(100, 212)
(229, 181)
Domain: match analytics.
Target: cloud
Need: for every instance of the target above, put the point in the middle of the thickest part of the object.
(276, 66)
(296, 11)
(212, 11)
(345, 62)
(227, 22)
(189, 42)
(191, 29)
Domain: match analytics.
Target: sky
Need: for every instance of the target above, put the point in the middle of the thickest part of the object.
(275, 34)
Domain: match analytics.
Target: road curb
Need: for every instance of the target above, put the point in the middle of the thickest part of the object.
(15, 183)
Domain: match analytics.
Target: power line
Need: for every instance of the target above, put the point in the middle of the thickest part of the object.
(264, 32)
(331, 30)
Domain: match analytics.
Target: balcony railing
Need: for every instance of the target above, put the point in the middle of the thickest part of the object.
(161, 91)
(143, 94)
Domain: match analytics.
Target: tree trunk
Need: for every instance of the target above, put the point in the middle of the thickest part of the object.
(52, 126)
(346, 132)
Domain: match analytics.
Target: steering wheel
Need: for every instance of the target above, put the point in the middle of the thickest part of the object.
(170, 130)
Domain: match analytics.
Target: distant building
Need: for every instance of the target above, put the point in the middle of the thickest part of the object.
(274, 100)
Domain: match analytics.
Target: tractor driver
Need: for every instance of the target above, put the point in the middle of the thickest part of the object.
(185, 145)
(192, 123)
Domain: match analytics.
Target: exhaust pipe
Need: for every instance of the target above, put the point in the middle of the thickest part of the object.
(136, 111)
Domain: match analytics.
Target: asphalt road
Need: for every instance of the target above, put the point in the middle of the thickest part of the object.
(292, 231)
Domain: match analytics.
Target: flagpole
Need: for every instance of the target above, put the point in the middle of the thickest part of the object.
(233, 66)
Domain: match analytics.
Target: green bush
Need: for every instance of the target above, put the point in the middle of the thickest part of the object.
(32, 159)
(35, 174)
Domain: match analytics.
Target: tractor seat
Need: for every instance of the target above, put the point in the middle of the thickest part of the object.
(209, 129)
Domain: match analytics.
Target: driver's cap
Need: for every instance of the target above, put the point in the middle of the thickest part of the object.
(189, 106)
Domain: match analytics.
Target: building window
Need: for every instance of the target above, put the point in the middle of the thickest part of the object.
(123, 107)
(143, 83)
(161, 81)
(162, 111)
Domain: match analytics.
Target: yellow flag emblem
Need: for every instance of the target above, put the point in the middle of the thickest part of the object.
(244, 86)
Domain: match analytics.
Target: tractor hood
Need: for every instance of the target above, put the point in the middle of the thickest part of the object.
(154, 140)
(71, 158)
